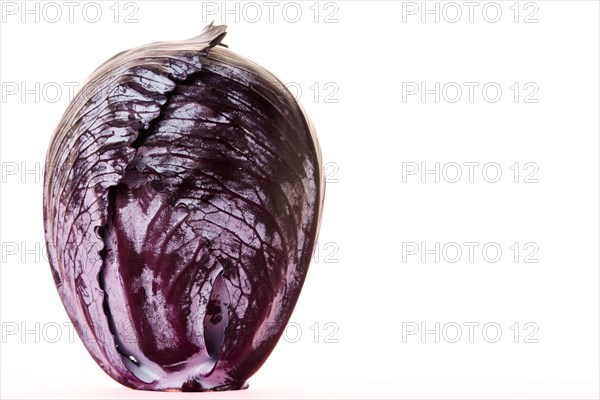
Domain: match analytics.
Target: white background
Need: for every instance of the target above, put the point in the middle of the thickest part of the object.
(375, 291)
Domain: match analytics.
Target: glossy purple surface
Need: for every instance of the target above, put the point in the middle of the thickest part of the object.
(181, 205)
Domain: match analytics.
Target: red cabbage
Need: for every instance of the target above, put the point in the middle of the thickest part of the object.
(181, 206)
